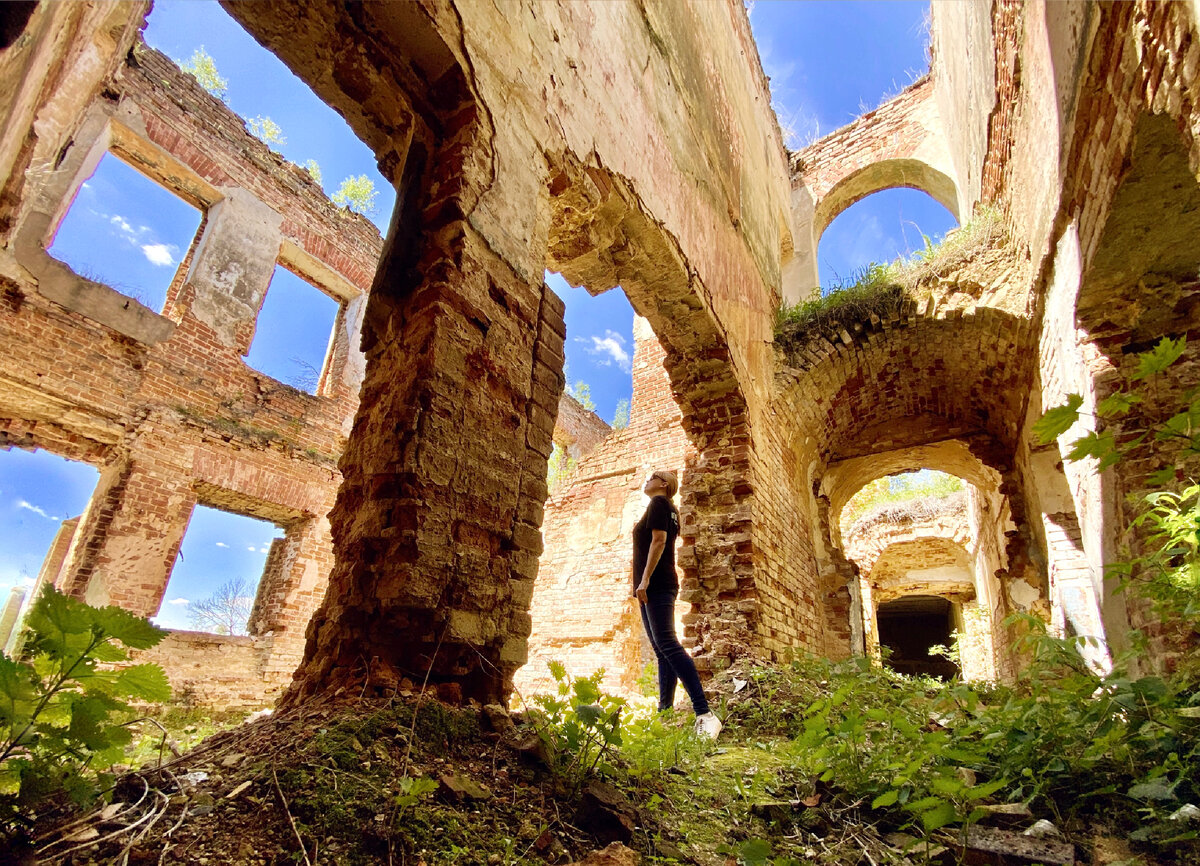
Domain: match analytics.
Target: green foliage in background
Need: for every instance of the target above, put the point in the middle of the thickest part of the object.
(558, 467)
(621, 415)
(267, 131)
(313, 169)
(582, 392)
(62, 707)
(357, 193)
(894, 489)
(203, 68)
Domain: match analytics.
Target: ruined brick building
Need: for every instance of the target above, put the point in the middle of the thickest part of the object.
(625, 144)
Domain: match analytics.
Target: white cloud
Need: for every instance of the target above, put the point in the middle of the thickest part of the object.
(158, 254)
(28, 506)
(27, 581)
(610, 347)
(222, 544)
(178, 601)
(123, 228)
(251, 548)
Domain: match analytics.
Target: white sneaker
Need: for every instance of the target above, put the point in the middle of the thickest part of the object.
(708, 726)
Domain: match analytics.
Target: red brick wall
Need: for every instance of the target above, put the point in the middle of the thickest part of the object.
(185, 420)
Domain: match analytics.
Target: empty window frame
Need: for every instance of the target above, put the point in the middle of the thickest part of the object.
(126, 231)
(216, 577)
(39, 491)
(293, 334)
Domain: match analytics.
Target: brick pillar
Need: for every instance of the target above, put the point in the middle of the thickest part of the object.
(436, 526)
(231, 268)
(717, 512)
(129, 536)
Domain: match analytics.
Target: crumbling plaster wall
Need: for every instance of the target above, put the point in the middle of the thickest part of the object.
(576, 429)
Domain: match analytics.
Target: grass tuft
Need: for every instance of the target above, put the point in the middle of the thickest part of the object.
(881, 290)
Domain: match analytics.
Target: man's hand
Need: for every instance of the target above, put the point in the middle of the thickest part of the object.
(640, 592)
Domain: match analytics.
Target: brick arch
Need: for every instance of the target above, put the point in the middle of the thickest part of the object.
(946, 528)
(957, 457)
(902, 143)
(930, 373)
(901, 173)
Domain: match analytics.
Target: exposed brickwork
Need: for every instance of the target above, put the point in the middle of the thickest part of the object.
(896, 145)
(1007, 36)
(182, 421)
(576, 429)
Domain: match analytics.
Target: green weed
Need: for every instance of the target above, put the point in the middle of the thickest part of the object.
(62, 706)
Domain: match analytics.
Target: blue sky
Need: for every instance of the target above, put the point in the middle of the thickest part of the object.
(217, 547)
(827, 62)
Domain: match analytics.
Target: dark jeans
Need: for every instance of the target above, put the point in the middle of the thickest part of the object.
(674, 664)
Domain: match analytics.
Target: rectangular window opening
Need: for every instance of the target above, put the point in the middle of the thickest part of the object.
(126, 231)
(294, 332)
(217, 574)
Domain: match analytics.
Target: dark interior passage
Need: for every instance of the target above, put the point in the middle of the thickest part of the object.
(909, 627)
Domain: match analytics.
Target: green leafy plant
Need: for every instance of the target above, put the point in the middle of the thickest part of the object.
(881, 289)
(559, 467)
(582, 392)
(621, 415)
(203, 68)
(62, 705)
(895, 497)
(413, 789)
(1164, 531)
(267, 130)
(653, 742)
(356, 193)
(579, 724)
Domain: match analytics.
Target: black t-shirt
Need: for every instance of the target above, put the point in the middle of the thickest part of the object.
(660, 514)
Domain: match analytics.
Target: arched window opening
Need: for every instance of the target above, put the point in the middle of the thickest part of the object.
(887, 227)
(907, 495)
